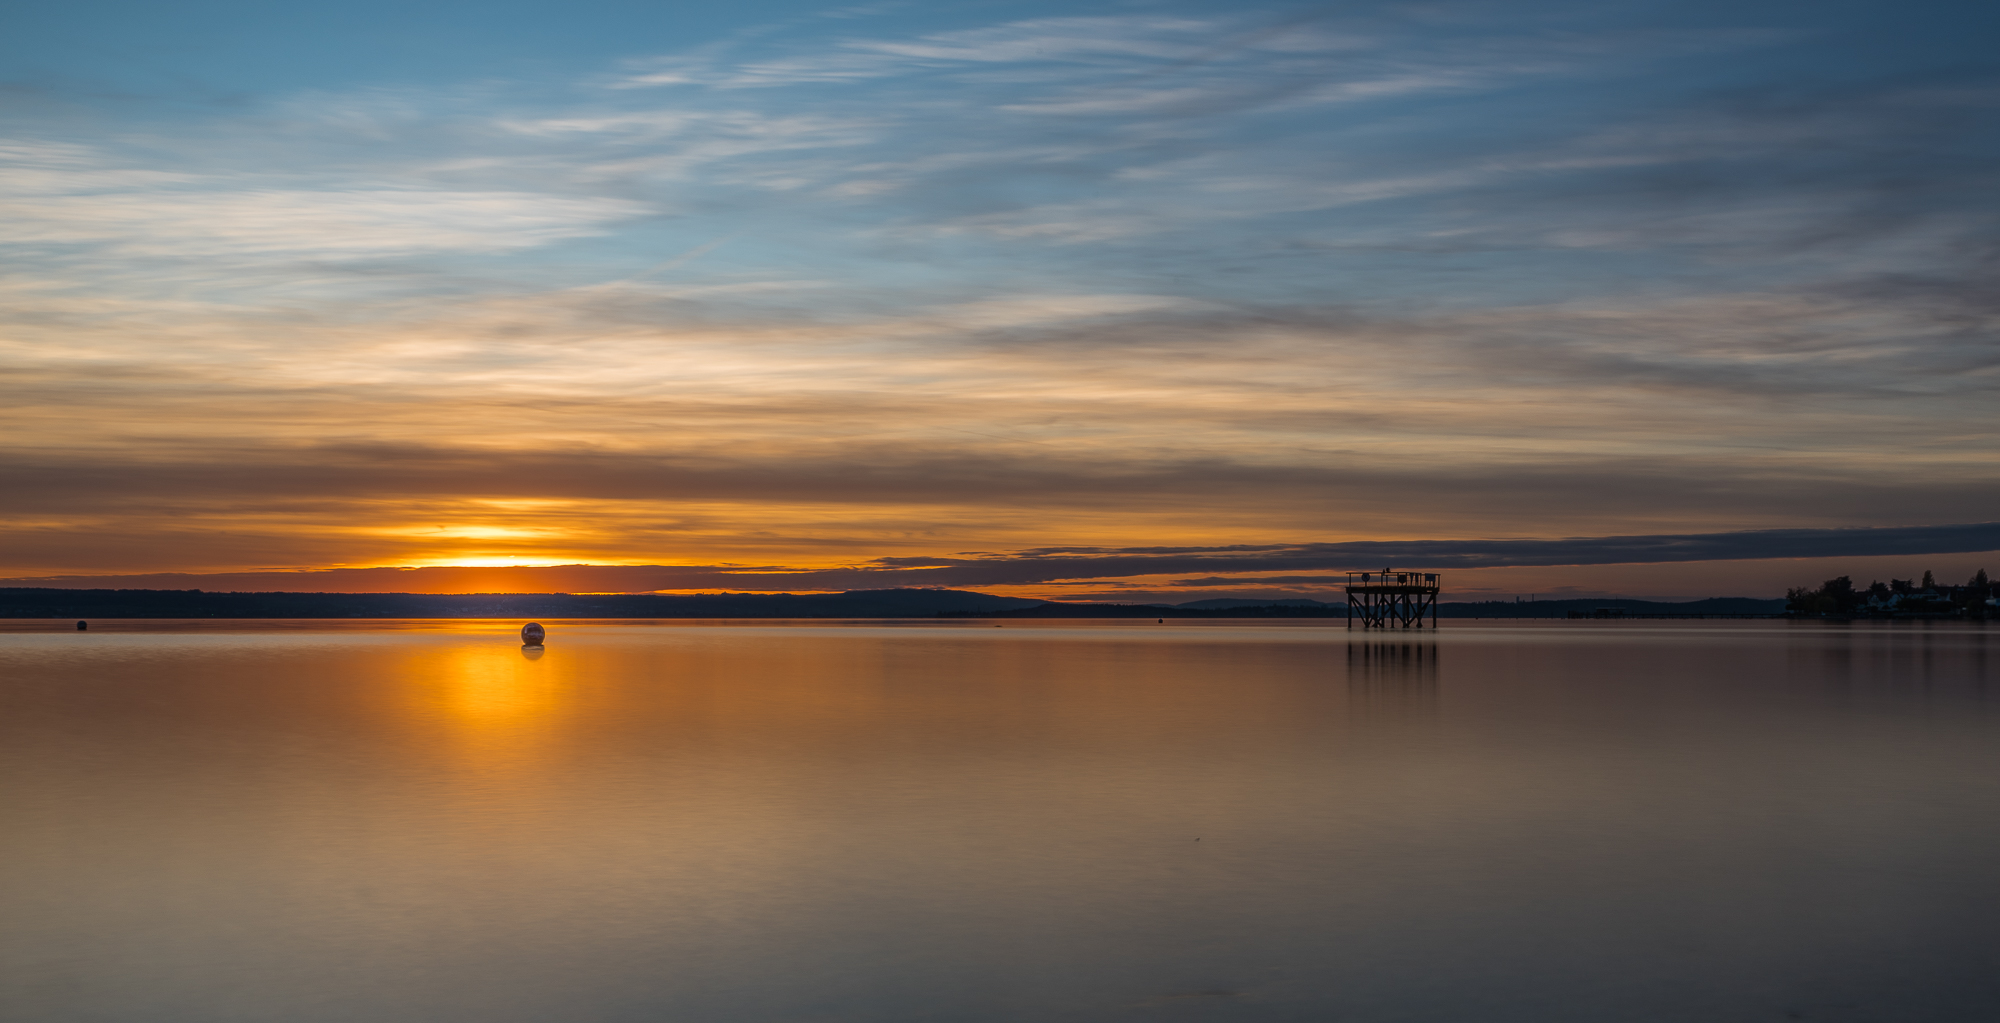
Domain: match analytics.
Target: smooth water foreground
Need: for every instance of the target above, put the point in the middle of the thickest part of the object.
(1518, 821)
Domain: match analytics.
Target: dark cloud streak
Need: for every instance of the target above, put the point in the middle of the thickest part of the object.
(1025, 569)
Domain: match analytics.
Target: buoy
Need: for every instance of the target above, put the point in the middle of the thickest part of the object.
(532, 633)
(82, 625)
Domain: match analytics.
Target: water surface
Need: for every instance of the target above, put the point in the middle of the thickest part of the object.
(1115, 821)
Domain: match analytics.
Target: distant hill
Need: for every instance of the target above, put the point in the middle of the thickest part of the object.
(1226, 603)
(1562, 608)
(1053, 609)
(896, 603)
(1227, 608)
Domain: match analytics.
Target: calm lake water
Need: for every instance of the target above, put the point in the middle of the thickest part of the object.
(1539, 821)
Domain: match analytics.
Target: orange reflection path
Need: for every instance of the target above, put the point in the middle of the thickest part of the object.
(494, 707)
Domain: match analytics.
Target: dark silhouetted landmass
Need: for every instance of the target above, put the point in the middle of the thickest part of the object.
(1630, 608)
(1058, 610)
(1898, 598)
(1227, 603)
(1316, 609)
(898, 603)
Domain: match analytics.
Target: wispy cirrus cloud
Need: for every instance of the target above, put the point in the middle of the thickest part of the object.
(321, 223)
(1088, 40)
(816, 295)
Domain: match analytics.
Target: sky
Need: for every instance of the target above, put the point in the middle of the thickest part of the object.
(1091, 301)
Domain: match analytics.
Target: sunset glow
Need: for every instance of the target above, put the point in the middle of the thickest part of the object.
(826, 291)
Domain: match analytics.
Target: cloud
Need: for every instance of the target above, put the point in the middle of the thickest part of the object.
(1061, 40)
(326, 224)
(63, 198)
(1006, 423)
(1095, 282)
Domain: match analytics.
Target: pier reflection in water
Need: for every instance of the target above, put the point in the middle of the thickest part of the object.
(1392, 678)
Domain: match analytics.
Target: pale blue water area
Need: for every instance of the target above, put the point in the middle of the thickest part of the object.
(1534, 821)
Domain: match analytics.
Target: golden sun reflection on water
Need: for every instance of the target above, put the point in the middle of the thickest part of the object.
(498, 707)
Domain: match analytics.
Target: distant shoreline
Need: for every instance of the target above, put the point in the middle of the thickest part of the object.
(50, 603)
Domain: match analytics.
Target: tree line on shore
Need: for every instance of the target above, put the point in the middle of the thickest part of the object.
(1903, 597)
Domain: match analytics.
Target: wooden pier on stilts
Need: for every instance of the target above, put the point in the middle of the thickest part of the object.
(1390, 598)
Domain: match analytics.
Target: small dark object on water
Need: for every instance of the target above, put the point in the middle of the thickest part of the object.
(532, 633)
(82, 626)
(1163, 621)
